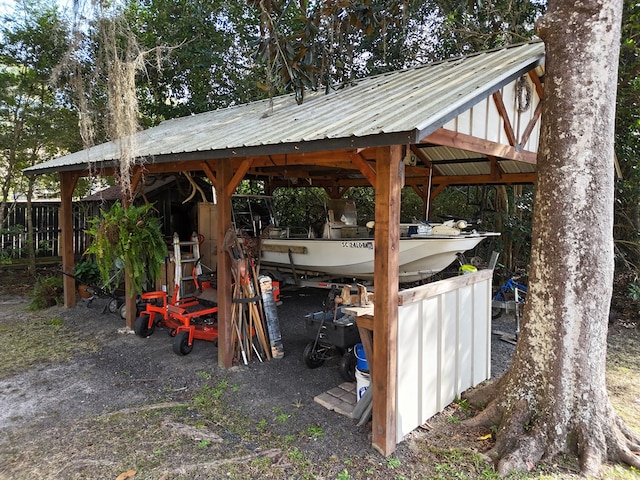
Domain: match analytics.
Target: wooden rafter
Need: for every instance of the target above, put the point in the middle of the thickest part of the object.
(502, 111)
(238, 176)
(532, 123)
(474, 144)
(209, 171)
(365, 167)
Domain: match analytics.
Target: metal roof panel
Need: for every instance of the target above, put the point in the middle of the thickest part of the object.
(408, 102)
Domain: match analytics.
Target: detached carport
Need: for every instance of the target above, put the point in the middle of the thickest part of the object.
(471, 120)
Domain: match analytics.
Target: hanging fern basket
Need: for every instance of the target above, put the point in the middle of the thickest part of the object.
(131, 236)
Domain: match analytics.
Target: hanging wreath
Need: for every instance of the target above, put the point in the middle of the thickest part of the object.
(523, 94)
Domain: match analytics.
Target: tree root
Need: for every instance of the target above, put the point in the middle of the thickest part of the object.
(521, 443)
(623, 444)
(484, 394)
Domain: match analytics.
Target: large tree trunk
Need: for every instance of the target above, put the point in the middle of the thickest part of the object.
(554, 399)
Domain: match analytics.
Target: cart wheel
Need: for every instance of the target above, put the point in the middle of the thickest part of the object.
(348, 364)
(123, 311)
(113, 306)
(172, 332)
(181, 344)
(310, 356)
(142, 326)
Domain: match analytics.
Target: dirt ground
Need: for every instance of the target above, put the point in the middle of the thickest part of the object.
(110, 404)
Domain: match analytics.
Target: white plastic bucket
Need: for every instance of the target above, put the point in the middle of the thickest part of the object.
(363, 380)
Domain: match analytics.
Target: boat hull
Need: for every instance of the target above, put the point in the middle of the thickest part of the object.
(419, 258)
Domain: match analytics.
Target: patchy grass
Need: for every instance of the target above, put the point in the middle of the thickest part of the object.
(209, 436)
(623, 372)
(27, 341)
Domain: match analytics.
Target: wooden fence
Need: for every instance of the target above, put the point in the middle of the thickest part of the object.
(45, 218)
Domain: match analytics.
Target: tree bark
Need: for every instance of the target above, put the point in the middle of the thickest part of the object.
(554, 400)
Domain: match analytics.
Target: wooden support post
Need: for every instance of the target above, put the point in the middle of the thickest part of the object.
(225, 336)
(68, 182)
(129, 294)
(389, 181)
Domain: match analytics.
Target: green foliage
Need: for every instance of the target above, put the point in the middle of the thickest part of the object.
(87, 272)
(343, 475)
(131, 235)
(627, 142)
(466, 27)
(314, 431)
(47, 293)
(634, 291)
(36, 122)
(393, 463)
(206, 65)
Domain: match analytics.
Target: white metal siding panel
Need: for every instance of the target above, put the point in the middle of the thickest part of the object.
(481, 327)
(465, 321)
(415, 354)
(448, 349)
(444, 347)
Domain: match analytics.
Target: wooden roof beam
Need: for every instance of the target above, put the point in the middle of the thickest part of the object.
(507, 179)
(365, 168)
(462, 141)
(238, 176)
(502, 111)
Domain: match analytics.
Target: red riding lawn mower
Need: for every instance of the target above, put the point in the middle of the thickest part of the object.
(189, 318)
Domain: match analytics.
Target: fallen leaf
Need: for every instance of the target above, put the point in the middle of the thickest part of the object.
(485, 437)
(125, 475)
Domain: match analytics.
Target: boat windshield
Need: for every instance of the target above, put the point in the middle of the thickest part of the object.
(252, 213)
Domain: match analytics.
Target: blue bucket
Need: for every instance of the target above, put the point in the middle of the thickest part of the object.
(361, 358)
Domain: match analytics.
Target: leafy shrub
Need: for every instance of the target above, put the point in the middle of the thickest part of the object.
(47, 292)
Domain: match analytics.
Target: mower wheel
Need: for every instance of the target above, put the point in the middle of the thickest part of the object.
(114, 305)
(348, 364)
(311, 357)
(181, 344)
(142, 326)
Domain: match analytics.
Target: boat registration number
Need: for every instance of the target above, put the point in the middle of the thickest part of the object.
(368, 245)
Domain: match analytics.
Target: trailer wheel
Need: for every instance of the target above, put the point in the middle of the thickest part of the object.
(142, 326)
(181, 344)
(311, 357)
(348, 364)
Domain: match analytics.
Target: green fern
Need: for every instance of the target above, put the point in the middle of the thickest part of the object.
(132, 236)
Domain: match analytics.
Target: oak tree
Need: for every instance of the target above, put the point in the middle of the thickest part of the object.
(553, 399)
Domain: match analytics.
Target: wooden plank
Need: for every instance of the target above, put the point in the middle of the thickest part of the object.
(422, 292)
(502, 111)
(225, 338)
(467, 142)
(207, 226)
(390, 178)
(67, 185)
(300, 249)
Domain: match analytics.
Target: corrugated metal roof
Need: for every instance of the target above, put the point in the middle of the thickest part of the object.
(393, 108)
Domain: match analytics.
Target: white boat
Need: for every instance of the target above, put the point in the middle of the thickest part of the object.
(347, 251)
(419, 257)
